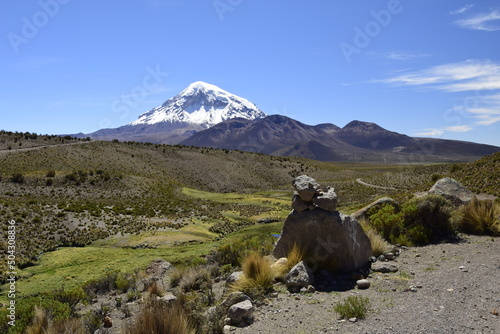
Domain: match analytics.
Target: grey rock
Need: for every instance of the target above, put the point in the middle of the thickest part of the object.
(301, 276)
(326, 200)
(452, 190)
(241, 313)
(311, 289)
(306, 187)
(384, 267)
(233, 278)
(363, 284)
(169, 298)
(330, 240)
(234, 298)
(298, 204)
(159, 268)
(389, 256)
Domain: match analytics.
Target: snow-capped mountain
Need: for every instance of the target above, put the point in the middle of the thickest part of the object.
(201, 104)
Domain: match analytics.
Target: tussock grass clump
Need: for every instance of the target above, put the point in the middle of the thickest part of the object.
(379, 245)
(196, 278)
(258, 276)
(156, 317)
(480, 217)
(353, 307)
(295, 255)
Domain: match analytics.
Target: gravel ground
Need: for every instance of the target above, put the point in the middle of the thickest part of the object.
(455, 290)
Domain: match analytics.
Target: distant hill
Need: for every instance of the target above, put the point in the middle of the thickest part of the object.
(357, 141)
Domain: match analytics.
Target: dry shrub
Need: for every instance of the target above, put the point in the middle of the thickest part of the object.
(480, 217)
(155, 289)
(379, 245)
(158, 318)
(196, 278)
(295, 255)
(258, 276)
(40, 322)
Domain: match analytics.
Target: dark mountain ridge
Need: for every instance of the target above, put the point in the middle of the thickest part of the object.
(357, 141)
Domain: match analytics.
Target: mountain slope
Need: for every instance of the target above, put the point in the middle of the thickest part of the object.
(198, 107)
(357, 141)
(371, 136)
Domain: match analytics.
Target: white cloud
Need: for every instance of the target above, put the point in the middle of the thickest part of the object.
(429, 133)
(484, 21)
(470, 75)
(461, 10)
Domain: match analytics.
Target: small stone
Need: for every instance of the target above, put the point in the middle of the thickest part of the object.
(389, 256)
(353, 319)
(384, 267)
(381, 258)
(311, 289)
(413, 289)
(363, 284)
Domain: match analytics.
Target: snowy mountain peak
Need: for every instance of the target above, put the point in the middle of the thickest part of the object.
(201, 104)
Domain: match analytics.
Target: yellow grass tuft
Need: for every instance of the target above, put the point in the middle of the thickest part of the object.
(257, 274)
(379, 245)
(480, 217)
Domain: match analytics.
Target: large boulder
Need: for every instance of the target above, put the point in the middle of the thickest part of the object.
(330, 240)
(452, 190)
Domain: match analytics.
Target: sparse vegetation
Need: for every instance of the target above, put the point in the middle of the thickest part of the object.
(353, 307)
(156, 317)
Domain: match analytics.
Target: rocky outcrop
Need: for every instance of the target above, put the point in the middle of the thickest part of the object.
(329, 239)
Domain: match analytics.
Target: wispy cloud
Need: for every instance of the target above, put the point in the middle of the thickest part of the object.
(489, 21)
(437, 132)
(403, 55)
(461, 10)
(479, 77)
(470, 75)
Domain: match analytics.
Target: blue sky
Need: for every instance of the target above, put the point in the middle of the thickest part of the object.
(423, 68)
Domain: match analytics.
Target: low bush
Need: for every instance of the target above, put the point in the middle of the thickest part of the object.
(234, 252)
(420, 221)
(25, 314)
(353, 307)
(480, 217)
